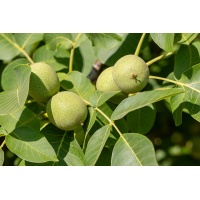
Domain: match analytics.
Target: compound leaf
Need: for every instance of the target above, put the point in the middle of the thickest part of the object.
(164, 40)
(133, 149)
(142, 99)
(30, 145)
(14, 99)
(96, 144)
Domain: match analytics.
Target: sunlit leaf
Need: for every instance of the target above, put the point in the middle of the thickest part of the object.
(78, 83)
(9, 75)
(133, 149)
(189, 100)
(15, 99)
(96, 144)
(99, 97)
(21, 117)
(164, 40)
(1, 157)
(142, 99)
(30, 145)
(105, 40)
(187, 38)
(43, 54)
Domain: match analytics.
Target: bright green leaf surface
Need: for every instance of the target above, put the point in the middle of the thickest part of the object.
(78, 83)
(21, 117)
(30, 145)
(133, 149)
(96, 144)
(164, 40)
(2, 132)
(105, 40)
(15, 99)
(187, 38)
(9, 75)
(99, 97)
(186, 57)
(1, 157)
(56, 40)
(43, 54)
(8, 48)
(141, 120)
(189, 100)
(142, 99)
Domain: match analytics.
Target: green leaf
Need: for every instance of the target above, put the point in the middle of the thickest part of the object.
(66, 147)
(43, 54)
(189, 100)
(21, 117)
(133, 149)
(8, 49)
(1, 157)
(57, 40)
(105, 40)
(96, 144)
(9, 75)
(30, 145)
(78, 39)
(141, 120)
(186, 57)
(164, 40)
(2, 132)
(26, 39)
(99, 97)
(142, 99)
(187, 38)
(15, 99)
(77, 82)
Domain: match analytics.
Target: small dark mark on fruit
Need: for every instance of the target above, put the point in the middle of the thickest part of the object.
(134, 76)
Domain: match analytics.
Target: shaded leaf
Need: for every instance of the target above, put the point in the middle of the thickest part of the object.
(21, 117)
(186, 57)
(105, 40)
(133, 149)
(15, 99)
(142, 99)
(1, 157)
(100, 97)
(43, 54)
(66, 147)
(77, 82)
(189, 100)
(164, 40)
(30, 145)
(96, 144)
(142, 119)
(187, 38)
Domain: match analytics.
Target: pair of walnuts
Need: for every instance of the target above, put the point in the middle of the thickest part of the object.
(67, 110)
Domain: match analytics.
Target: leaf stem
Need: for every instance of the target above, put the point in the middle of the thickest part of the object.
(137, 51)
(72, 52)
(109, 120)
(159, 58)
(19, 48)
(3, 143)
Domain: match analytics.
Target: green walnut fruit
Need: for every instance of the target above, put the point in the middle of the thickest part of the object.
(44, 82)
(131, 74)
(66, 110)
(106, 83)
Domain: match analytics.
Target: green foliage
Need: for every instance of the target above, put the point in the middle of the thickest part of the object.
(133, 132)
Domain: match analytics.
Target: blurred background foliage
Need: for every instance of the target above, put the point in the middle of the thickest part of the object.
(174, 145)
